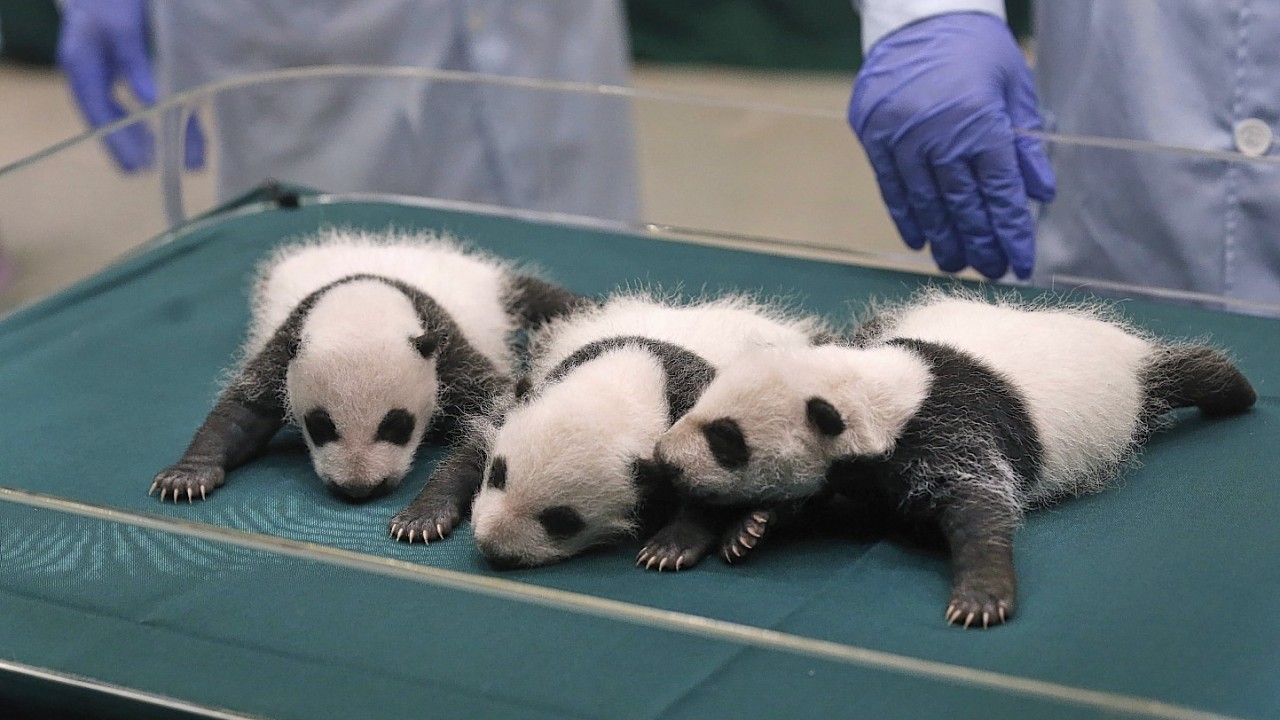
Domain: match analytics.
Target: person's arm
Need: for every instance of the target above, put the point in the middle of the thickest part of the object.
(940, 93)
(881, 17)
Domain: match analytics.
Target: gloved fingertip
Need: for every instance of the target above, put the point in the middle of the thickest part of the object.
(908, 228)
(951, 265)
(991, 272)
(193, 146)
(1037, 171)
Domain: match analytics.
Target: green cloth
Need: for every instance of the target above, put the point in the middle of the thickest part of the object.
(29, 30)
(813, 35)
(1163, 587)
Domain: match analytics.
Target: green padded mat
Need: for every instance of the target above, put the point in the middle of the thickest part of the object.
(1157, 598)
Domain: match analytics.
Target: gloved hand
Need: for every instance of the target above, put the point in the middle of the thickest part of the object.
(100, 41)
(935, 105)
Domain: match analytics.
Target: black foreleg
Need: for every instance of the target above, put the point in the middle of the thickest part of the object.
(446, 498)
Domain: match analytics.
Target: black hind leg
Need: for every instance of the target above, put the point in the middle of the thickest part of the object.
(979, 532)
(1197, 376)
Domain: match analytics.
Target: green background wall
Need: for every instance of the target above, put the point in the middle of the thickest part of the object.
(777, 34)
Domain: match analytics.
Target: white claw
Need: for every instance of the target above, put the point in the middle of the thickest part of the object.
(1001, 614)
(760, 518)
(391, 531)
(440, 530)
(727, 557)
(662, 565)
(952, 614)
(736, 551)
(399, 533)
(154, 484)
(202, 495)
(411, 534)
(968, 620)
(679, 562)
(163, 493)
(752, 532)
(986, 619)
(190, 496)
(747, 542)
(649, 565)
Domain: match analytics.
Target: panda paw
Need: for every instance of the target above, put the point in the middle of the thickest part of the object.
(979, 608)
(742, 538)
(426, 523)
(675, 547)
(187, 480)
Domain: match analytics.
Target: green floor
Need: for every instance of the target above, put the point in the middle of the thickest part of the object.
(1160, 591)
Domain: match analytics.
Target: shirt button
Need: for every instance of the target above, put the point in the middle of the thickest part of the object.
(1253, 137)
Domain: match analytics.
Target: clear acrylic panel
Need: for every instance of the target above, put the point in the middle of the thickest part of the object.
(704, 171)
(709, 170)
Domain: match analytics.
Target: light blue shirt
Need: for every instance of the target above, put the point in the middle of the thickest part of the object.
(1175, 72)
(542, 150)
(1196, 74)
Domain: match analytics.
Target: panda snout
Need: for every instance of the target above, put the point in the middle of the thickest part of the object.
(503, 562)
(361, 492)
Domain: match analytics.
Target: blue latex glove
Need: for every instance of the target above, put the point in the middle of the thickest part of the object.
(935, 105)
(99, 42)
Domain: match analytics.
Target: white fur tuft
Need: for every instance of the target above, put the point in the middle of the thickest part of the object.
(574, 441)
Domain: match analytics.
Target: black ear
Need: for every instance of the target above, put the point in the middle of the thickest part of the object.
(727, 444)
(824, 417)
(498, 473)
(523, 386)
(293, 347)
(427, 344)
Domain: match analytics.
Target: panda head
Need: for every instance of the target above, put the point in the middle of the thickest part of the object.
(769, 425)
(363, 392)
(561, 473)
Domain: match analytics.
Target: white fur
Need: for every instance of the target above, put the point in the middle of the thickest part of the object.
(357, 370)
(1079, 371)
(355, 359)
(718, 330)
(574, 441)
(467, 284)
(877, 391)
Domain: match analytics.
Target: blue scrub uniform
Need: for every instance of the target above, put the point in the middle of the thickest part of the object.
(538, 150)
(1196, 74)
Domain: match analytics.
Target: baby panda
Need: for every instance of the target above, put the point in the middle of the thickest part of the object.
(565, 468)
(953, 414)
(366, 341)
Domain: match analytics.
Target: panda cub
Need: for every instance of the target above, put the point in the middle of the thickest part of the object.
(365, 341)
(565, 469)
(952, 413)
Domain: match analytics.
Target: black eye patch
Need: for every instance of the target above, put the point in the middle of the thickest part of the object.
(498, 473)
(396, 427)
(320, 427)
(561, 522)
(724, 437)
(824, 417)
(653, 473)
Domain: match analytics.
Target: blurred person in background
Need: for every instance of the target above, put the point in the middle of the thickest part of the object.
(548, 150)
(944, 85)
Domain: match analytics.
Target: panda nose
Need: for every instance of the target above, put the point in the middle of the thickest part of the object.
(503, 562)
(360, 493)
